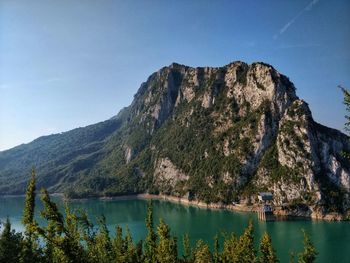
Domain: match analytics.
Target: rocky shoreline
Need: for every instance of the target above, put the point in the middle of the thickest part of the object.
(280, 214)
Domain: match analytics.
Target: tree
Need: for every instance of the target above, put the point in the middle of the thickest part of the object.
(309, 254)
(131, 255)
(187, 248)
(245, 249)
(118, 244)
(346, 102)
(30, 250)
(216, 255)
(267, 253)
(151, 239)
(201, 253)
(103, 243)
(230, 249)
(10, 244)
(166, 249)
(62, 234)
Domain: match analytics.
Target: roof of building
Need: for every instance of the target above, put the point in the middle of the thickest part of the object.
(265, 196)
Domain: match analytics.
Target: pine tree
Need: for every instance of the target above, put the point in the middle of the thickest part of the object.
(62, 234)
(230, 249)
(104, 250)
(309, 254)
(131, 255)
(71, 243)
(346, 102)
(30, 250)
(54, 229)
(151, 239)
(166, 249)
(187, 248)
(10, 244)
(245, 249)
(267, 253)
(88, 232)
(118, 244)
(201, 253)
(216, 254)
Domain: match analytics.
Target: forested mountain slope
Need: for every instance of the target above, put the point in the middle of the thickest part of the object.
(211, 134)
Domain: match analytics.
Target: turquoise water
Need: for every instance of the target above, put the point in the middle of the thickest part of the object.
(332, 239)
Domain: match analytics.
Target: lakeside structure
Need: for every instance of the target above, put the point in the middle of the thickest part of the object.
(265, 210)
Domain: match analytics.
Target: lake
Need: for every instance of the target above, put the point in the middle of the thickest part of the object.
(332, 239)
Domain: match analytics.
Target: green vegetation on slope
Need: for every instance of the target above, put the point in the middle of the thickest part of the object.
(73, 238)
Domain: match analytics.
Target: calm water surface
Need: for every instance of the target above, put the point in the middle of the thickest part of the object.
(332, 239)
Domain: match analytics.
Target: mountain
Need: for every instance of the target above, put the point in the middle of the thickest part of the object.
(211, 134)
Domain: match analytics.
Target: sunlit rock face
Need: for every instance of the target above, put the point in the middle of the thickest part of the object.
(215, 134)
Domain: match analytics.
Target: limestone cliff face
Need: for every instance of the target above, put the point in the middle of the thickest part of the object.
(254, 116)
(211, 134)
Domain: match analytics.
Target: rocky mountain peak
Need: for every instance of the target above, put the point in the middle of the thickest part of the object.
(214, 134)
(247, 85)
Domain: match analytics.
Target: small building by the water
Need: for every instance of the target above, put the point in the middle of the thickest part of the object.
(265, 196)
(265, 211)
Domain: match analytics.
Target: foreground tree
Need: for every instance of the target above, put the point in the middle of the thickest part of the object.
(230, 249)
(10, 244)
(187, 249)
(309, 254)
(62, 233)
(267, 253)
(346, 102)
(104, 251)
(245, 248)
(151, 239)
(30, 251)
(201, 253)
(166, 249)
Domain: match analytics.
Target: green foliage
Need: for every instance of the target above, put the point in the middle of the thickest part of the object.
(346, 102)
(245, 247)
(30, 251)
(242, 72)
(166, 248)
(151, 239)
(201, 253)
(62, 158)
(28, 215)
(267, 253)
(309, 254)
(10, 244)
(73, 238)
(275, 169)
(230, 249)
(186, 249)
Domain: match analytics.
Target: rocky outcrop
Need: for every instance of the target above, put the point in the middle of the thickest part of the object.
(308, 159)
(167, 176)
(208, 134)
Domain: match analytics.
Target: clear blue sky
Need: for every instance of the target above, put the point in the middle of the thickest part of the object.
(65, 64)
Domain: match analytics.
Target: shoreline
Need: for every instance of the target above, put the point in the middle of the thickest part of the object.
(183, 201)
(280, 214)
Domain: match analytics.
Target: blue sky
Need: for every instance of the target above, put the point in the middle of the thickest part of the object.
(66, 64)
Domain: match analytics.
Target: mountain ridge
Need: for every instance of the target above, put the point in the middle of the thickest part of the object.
(216, 134)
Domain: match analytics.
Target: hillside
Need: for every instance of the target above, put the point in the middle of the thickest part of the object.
(211, 134)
